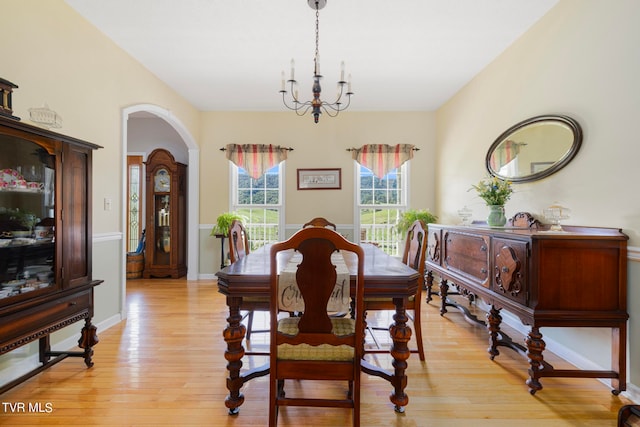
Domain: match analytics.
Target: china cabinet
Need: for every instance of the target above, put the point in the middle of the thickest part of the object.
(46, 280)
(573, 278)
(165, 251)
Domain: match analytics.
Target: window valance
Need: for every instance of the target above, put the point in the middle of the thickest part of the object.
(256, 159)
(382, 158)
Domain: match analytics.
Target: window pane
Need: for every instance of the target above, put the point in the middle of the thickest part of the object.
(381, 203)
(258, 200)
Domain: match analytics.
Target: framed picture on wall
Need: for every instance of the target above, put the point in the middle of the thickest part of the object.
(540, 166)
(319, 179)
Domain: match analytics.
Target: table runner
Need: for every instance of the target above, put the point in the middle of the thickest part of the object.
(289, 297)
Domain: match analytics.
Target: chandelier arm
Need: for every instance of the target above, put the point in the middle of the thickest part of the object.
(338, 105)
(301, 113)
(329, 112)
(297, 104)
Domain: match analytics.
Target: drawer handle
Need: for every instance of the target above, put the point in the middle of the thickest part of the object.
(483, 270)
(505, 269)
(72, 303)
(483, 248)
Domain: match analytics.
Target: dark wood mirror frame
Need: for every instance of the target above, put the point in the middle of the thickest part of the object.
(552, 165)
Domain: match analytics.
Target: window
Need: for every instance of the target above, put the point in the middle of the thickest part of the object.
(260, 202)
(134, 213)
(379, 205)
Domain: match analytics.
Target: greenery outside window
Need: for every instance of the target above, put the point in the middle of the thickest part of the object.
(380, 203)
(260, 202)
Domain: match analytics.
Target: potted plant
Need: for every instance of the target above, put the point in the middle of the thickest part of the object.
(495, 192)
(223, 222)
(409, 216)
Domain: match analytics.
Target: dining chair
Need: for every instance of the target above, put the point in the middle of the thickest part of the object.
(629, 416)
(315, 346)
(238, 249)
(320, 222)
(414, 256)
(238, 241)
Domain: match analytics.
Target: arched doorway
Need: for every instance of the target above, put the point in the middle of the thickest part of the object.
(193, 174)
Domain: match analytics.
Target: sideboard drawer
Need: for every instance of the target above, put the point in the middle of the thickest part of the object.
(21, 325)
(467, 255)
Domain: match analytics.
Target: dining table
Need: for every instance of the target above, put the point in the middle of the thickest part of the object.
(385, 276)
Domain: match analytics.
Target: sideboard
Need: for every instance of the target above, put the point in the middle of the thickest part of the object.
(573, 278)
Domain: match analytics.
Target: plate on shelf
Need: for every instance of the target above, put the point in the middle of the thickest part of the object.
(13, 283)
(9, 175)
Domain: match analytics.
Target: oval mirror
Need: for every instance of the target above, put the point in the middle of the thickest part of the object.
(534, 148)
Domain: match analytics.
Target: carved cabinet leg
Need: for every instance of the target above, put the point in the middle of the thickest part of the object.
(233, 335)
(494, 319)
(429, 284)
(88, 338)
(535, 347)
(401, 334)
(444, 291)
(45, 348)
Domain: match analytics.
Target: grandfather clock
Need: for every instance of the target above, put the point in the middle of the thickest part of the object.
(166, 217)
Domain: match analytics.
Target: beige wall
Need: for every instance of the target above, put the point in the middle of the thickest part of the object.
(55, 56)
(578, 60)
(321, 145)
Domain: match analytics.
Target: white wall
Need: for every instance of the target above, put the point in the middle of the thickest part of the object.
(580, 60)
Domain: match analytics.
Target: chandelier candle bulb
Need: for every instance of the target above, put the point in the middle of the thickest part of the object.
(342, 71)
(293, 68)
(282, 87)
(349, 85)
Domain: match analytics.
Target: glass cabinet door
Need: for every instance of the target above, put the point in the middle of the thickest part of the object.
(163, 229)
(27, 223)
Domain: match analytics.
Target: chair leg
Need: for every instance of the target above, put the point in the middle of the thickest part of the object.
(249, 324)
(417, 326)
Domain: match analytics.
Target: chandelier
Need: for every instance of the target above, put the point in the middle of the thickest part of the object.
(316, 105)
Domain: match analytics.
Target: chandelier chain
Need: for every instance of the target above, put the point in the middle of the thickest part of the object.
(317, 38)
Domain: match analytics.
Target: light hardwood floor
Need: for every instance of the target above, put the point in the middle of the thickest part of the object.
(164, 365)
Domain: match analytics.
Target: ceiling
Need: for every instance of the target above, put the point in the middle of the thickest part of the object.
(228, 55)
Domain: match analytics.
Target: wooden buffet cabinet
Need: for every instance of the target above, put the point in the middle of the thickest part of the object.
(574, 278)
(46, 280)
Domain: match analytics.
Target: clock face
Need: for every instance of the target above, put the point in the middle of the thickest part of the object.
(162, 181)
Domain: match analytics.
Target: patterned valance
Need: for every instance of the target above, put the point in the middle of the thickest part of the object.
(382, 158)
(256, 159)
(505, 153)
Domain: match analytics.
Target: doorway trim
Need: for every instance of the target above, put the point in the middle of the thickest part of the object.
(193, 190)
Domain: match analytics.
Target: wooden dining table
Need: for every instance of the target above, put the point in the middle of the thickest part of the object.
(385, 277)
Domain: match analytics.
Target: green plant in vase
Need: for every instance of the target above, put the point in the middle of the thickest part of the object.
(223, 222)
(495, 192)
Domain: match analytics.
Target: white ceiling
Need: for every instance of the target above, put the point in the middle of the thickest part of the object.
(227, 55)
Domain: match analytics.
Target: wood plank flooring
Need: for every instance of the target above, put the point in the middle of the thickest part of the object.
(164, 366)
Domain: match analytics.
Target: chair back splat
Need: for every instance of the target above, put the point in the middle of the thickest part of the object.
(320, 222)
(315, 345)
(238, 241)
